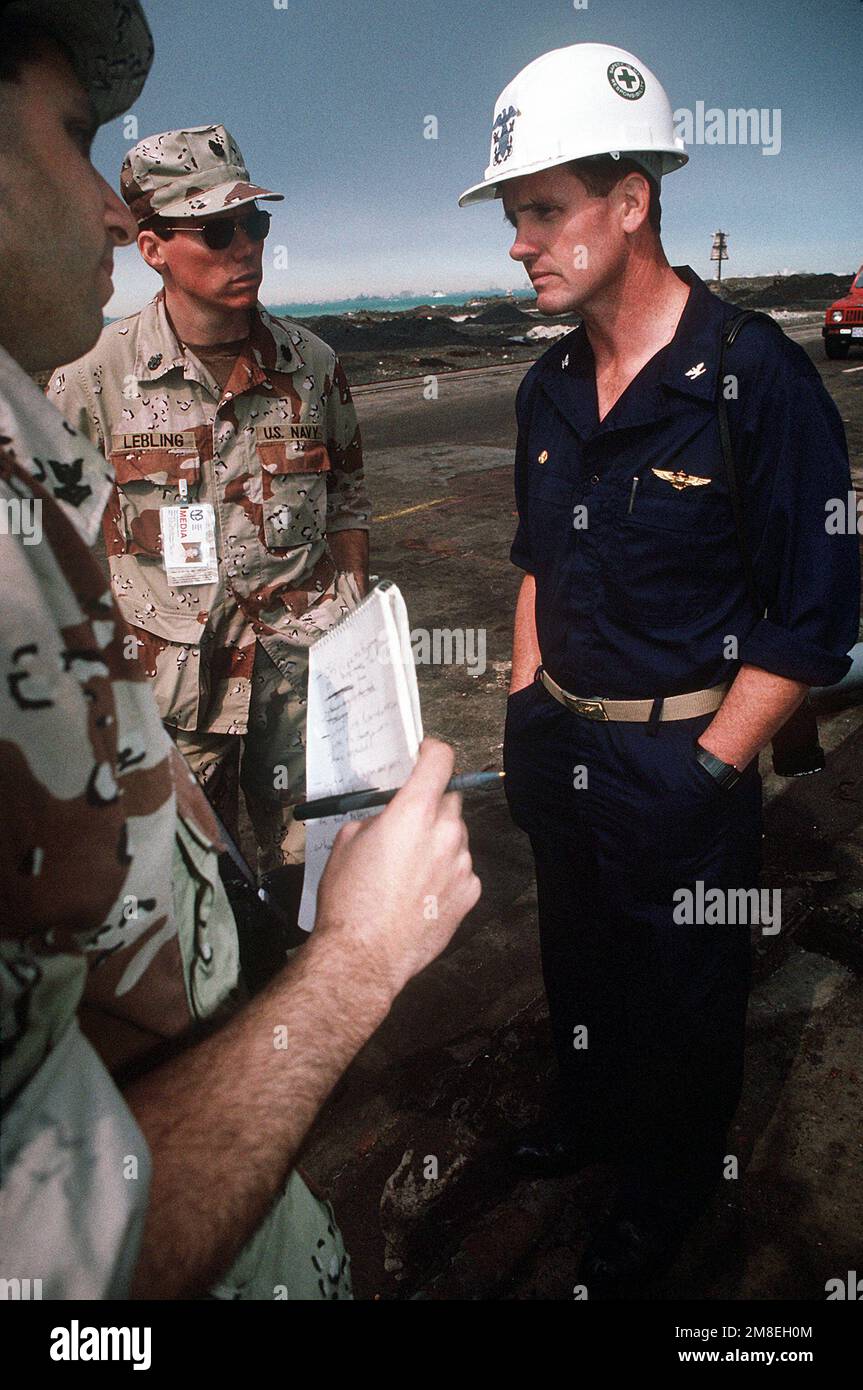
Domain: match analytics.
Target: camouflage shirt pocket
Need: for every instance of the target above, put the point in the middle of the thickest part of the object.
(294, 493)
(148, 479)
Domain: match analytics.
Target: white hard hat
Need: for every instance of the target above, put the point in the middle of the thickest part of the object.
(587, 99)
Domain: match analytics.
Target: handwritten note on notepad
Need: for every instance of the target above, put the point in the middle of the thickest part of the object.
(364, 725)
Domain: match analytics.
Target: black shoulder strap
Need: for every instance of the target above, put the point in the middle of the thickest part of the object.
(796, 750)
(729, 332)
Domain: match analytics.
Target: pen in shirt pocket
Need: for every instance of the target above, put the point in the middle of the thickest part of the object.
(632, 495)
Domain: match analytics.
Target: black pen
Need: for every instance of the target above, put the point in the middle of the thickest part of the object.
(361, 801)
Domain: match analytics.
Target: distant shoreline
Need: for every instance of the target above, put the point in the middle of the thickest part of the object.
(394, 303)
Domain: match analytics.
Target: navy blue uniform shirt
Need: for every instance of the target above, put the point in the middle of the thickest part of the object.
(638, 591)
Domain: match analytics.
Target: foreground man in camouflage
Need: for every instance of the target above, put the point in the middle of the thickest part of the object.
(117, 938)
(237, 530)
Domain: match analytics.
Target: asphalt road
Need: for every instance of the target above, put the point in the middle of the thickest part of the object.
(476, 407)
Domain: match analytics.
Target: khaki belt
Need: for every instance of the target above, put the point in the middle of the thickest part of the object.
(686, 706)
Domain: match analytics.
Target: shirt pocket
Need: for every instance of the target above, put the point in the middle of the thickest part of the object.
(549, 515)
(148, 479)
(671, 552)
(294, 493)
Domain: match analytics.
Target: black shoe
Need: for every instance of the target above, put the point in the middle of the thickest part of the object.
(627, 1252)
(549, 1150)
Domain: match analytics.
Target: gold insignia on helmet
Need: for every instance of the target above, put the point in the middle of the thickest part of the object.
(680, 480)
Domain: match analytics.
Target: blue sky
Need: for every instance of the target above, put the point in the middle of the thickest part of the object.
(327, 99)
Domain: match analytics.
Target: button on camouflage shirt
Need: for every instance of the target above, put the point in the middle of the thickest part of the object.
(277, 454)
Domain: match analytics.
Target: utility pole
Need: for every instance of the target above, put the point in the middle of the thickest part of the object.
(719, 253)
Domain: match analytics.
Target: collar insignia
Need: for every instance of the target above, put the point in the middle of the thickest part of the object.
(501, 133)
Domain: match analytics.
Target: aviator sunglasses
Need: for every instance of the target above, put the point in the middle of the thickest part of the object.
(219, 235)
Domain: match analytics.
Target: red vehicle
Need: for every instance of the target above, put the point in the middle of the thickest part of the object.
(843, 322)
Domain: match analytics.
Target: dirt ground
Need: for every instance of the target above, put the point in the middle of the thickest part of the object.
(463, 1061)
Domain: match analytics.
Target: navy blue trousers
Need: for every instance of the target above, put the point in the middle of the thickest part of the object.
(618, 819)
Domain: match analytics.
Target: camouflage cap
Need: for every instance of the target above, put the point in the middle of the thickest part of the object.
(187, 173)
(108, 43)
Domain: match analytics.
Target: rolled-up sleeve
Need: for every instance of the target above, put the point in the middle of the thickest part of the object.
(801, 516)
(348, 505)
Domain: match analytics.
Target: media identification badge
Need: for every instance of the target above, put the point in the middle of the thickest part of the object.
(189, 544)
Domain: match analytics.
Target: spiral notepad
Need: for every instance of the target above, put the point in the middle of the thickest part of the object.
(364, 725)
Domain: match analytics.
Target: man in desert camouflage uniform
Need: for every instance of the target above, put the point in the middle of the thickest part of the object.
(204, 402)
(116, 938)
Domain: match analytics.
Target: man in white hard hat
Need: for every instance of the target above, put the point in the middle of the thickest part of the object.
(647, 670)
(118, 949)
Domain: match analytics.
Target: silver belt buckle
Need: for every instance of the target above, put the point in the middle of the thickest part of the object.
(591, 709)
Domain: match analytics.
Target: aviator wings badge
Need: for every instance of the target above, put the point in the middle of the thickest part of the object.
(680, 480)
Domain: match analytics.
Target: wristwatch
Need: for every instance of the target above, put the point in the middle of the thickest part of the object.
(726, 774)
